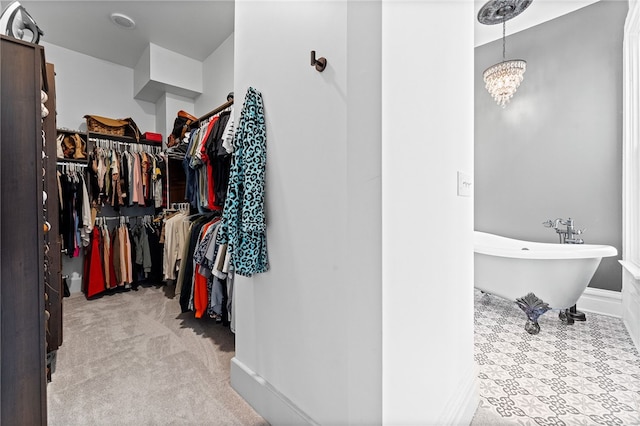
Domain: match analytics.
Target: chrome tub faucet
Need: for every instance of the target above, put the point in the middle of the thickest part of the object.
(568, 235)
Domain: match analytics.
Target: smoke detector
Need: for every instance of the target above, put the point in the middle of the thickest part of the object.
(123, 21)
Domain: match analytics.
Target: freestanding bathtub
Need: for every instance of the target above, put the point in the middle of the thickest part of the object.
(537, 276)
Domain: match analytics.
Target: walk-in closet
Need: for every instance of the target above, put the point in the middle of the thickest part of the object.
(119, 242)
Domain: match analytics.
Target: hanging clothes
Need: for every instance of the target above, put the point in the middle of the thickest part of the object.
(175, 231)
(142, 257)
(110, 280)
(122, 257)
(200, 291)
(156, 249)
(93, 276)
(228, 133)
(124, 174)
(243, 218)
(207, 162)
(219, 162)
(75, 211)
(190, 174)
(157, 181)
(205, 282)
(186, 275)
(196, 165)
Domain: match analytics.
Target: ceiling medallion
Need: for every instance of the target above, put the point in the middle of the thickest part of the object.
(498, 11)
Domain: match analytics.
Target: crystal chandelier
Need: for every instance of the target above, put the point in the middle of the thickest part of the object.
(503, 79)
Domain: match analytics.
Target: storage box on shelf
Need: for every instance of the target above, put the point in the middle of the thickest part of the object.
(155, 137)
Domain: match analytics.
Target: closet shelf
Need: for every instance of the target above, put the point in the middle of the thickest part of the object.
(69, 131)
(126, 139)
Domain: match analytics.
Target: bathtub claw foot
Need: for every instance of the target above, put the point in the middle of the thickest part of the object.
(533, 307)
(566, 317)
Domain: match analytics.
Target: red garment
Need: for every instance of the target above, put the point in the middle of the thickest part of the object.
(200, 290)
(200, 293)
(94, 274)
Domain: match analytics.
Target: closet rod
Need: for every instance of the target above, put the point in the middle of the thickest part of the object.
(212, 113)
(113, 141)
(123, 216)
(69, 163)
(107, 143)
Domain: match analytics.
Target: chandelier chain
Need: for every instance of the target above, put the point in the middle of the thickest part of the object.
(504, 37)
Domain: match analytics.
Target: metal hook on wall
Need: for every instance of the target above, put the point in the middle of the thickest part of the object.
(320, 63)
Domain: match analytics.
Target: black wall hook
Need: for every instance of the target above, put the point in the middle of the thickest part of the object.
(320, 63)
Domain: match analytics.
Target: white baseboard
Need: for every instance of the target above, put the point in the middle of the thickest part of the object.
(634, 332)
(461, 409)
(631, 300)
(276, 408)
(279, 410)
(600, 301)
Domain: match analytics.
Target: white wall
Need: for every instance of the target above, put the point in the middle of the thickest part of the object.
(86, 85)
(367, 312)
(427, 109)
(290, 321)
(363, 290)
(217, 78)
(174, 69)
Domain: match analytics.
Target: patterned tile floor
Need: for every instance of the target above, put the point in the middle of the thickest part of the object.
(587, 373)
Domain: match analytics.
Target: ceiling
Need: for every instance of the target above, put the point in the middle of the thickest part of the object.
(196, 28)
(538, 12)
(191, 28)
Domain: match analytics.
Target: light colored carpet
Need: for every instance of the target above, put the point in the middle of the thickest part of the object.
(134, 359)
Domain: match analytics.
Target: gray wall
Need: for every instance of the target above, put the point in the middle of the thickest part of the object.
(556, 149)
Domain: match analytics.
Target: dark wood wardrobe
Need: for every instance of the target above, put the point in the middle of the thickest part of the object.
(29, 272)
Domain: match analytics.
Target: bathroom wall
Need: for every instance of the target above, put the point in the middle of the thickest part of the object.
(366, 316)
(556, 149)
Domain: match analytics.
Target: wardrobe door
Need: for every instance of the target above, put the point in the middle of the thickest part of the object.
(22, 335)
